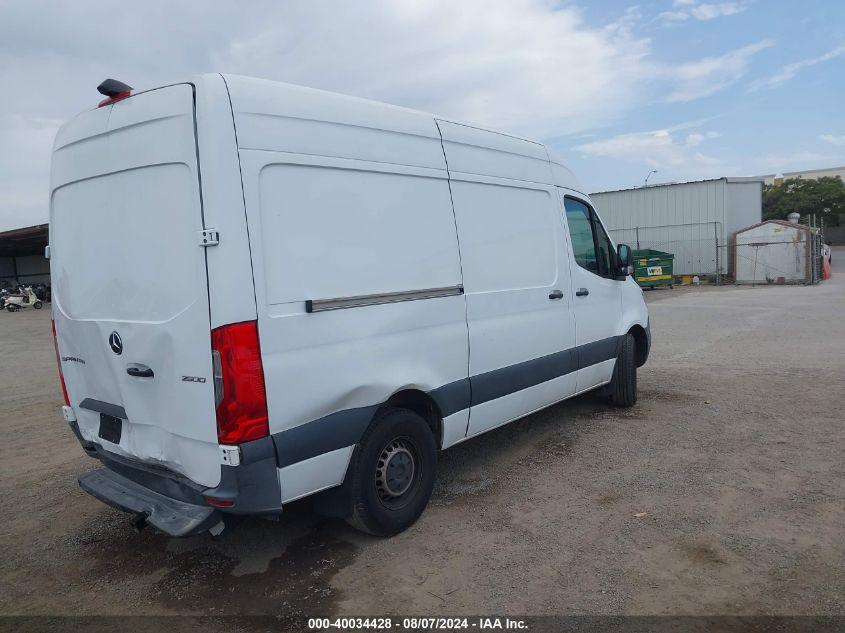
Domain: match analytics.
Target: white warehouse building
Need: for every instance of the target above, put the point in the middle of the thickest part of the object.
(693, 220)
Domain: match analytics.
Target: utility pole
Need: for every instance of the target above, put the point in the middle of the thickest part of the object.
(645, 182)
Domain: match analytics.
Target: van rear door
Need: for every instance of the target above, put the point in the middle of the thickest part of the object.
(130, 288)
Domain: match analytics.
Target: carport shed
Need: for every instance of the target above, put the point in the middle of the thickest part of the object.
(22, 258)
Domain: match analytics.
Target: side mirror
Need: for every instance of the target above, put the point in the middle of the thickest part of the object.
(625, 259)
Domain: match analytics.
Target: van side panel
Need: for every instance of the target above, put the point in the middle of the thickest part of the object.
(344, 199)
(513, 258)
(320, 231)
(512, 249)
(339, 229)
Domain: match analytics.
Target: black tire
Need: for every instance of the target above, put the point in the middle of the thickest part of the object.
(386, 499)
(37, 305)
(623, 385)
(10, 307)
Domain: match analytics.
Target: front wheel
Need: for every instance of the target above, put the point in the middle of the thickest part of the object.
(11, 307)
(393, 473)
(623, 385)
(37, 305)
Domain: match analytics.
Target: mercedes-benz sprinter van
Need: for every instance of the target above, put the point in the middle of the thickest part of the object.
(264, 292)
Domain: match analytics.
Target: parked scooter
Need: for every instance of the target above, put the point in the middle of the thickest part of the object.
(42, 291)
(26, 299)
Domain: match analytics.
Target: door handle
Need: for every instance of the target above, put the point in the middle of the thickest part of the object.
(555, 294)
(139, 372)
(582, 292)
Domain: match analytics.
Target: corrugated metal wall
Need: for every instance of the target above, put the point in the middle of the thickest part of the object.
(692, 220)
(31, 269)
(745, 205)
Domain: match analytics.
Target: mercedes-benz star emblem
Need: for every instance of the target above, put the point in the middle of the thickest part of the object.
(115, 343)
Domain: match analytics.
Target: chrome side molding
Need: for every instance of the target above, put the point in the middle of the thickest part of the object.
(322, 305)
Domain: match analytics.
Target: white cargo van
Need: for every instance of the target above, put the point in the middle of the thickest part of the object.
(263, 292)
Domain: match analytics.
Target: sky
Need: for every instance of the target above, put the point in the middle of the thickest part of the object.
(691, 88)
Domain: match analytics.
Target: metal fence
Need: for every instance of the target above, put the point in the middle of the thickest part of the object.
(696, 246)
(702, 249)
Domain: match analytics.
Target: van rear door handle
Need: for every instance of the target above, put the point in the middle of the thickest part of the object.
(555, 294)
(139, 372)
(582, 292)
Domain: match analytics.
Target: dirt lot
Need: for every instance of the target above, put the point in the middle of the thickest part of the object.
(721, 492)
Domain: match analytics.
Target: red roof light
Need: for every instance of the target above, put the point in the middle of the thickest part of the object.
(111, 100)
(114, 91)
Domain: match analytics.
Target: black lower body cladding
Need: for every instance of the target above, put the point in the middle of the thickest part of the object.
(345, 428)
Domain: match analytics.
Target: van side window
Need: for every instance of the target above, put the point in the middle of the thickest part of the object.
(581, 234)
(605, 249)
(592, 247)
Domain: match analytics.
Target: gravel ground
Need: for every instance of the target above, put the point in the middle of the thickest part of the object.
(721, 492)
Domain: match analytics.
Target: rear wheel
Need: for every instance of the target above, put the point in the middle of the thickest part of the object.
(393, 473)
(623, 385)
(11, 307)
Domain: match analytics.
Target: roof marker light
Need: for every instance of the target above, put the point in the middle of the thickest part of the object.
(114, 90)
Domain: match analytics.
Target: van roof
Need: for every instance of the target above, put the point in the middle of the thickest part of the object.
(263, 97)
(266, 97)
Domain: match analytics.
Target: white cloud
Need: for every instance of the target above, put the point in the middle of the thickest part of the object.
(707, 11)
(697, 138)
(693, 80)
(833, 140)
(797, 160)
(665, 150)
(674, 16)
(704, 12)
(532, 67)
(507, 65)
(791, 70)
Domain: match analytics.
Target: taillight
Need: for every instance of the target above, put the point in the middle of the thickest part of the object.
(239, 393)
(59, 362)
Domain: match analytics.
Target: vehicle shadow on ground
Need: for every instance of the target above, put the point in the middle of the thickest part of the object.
(285, 567)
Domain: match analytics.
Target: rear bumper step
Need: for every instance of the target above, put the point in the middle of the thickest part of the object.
(168, 515)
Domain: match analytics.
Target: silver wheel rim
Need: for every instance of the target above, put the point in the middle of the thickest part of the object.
(395, 471)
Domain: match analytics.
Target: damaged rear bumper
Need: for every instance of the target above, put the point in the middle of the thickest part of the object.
(169, 515)
(174, 504)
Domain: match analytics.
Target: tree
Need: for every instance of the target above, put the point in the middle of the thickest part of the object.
(823, 196)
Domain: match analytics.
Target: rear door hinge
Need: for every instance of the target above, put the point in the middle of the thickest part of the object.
(209, 237)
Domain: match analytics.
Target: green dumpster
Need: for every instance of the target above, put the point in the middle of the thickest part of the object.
(653, 268)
